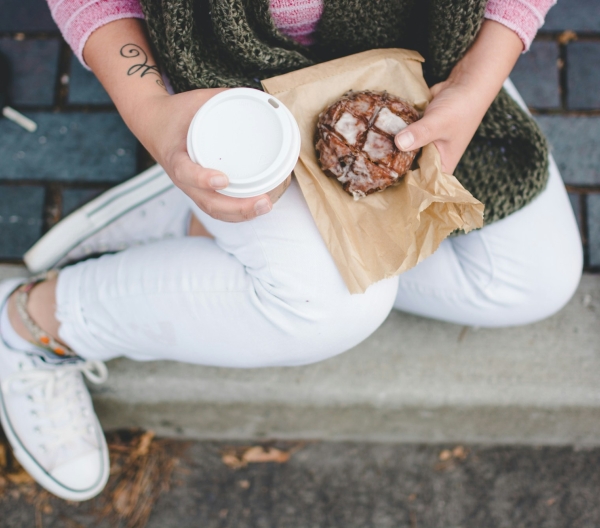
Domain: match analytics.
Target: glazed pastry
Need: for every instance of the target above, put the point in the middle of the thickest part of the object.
(355, 141)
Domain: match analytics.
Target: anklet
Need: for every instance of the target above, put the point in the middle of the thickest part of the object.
(44, 340)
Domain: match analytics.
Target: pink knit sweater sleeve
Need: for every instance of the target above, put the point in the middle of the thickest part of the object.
(78, 19)
(524, 17)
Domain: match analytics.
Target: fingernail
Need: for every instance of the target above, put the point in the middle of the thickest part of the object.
(405, 140)
(218, 182)
(262, 207)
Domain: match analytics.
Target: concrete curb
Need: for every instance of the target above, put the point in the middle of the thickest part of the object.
(414, 380)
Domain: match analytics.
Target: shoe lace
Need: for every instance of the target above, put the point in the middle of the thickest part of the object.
(55, 395)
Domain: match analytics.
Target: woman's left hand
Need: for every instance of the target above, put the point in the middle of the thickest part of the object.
(459, 103)
(449, 122)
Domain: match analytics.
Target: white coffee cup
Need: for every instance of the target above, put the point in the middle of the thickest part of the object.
(248, 135)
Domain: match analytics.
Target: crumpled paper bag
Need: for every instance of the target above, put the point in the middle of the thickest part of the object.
(387, 232)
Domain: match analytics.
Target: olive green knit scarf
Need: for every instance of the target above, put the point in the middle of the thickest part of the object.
(214, 43)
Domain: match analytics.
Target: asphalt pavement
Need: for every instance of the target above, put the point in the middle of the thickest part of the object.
(357, 485)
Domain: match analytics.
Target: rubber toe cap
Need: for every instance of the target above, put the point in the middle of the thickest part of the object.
(86, 475)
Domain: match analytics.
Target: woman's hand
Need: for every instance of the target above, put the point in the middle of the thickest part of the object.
(449, 122)
(121, 58)
(162, 128)
(459, 103)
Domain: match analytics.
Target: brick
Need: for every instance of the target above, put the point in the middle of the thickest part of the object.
(21, 213)
(74, 198)
(575, 204)
(26, 15)
(34, 67)
(68, 147)
(577, 15)
(84, 88)
(593, 207)
(576, 146)
(583, 75)
(536, 75)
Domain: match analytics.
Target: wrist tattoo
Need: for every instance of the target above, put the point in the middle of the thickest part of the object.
(133, 51)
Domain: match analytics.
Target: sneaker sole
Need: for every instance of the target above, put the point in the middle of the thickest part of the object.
(95, 215)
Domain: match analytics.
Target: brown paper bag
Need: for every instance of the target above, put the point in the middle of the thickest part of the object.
(387, 232)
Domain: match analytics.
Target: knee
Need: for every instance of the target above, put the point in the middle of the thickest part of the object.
(557, 284)
(550, 288)
(331, 322)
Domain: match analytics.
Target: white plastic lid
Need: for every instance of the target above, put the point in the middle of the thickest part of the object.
(248, 135)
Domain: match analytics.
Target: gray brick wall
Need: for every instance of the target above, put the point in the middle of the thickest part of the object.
(560, 82)
(21, 211)
(583, 75)
(536, 75)
(81, 146)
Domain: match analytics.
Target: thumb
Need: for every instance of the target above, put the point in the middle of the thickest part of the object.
(417, 134)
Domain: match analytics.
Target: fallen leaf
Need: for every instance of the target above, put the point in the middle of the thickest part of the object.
(567, 36)
(446, 454)
(258, 455)
(223, 514)
(412, 497)
(232, 461)
(459, 452)
(239, 457)
(551, 501)
(244, 484)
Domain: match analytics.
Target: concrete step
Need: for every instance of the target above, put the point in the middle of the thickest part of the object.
(414, 380)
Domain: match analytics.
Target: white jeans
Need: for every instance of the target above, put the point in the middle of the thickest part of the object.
(267, 293)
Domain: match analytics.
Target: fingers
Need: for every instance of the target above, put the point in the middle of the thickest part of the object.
(201, 184)
(223, 207)
(228, 209)
(429, 128)
(188, 173)
(418, 134)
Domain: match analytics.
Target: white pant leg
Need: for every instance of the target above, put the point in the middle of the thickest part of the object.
(263, 293)
(515, 271)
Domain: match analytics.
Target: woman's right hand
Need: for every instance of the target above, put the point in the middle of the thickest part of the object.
(162, 128)
(120, 56)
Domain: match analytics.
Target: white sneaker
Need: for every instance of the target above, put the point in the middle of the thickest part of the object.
(145, 208)
(47, 415)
